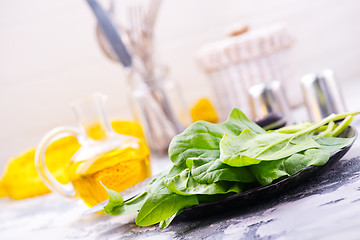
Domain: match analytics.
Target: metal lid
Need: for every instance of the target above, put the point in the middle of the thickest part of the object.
(322, 95)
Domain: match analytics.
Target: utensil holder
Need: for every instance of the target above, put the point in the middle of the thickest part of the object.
(158, 106)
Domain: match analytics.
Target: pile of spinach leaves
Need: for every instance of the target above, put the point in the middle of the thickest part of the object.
(212, 161)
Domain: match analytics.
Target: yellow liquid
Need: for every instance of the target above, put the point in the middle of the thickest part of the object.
(117, 170)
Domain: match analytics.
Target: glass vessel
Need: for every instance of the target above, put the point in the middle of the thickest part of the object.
(105, 157)
(159, 107)
(155, 101)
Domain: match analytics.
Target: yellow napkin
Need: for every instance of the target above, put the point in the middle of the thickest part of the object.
(204, 110)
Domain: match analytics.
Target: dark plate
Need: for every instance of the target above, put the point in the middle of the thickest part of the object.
(268, 191)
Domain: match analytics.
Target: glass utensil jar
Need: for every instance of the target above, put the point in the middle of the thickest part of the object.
(105, 157)
(159, 107)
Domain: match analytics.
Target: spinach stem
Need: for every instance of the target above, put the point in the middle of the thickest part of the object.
(342, 126)
(328, 130)
(313, 127)
(316, 125)
(332, 117)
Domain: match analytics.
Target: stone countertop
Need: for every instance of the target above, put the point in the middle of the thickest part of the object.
(326, 206)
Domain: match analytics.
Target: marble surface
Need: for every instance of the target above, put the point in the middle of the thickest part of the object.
(326, 206)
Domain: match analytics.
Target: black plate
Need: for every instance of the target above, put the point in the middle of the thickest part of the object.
(264, 192)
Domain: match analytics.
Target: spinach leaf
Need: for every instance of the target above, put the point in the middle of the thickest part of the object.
(161, 204)
(165, 223)
(184, 184)
(250, 148)
(114, 197)
(333, 144)
(202, 139)
(207, 171)
(115, 200)
(268, 171)
(157, 179)
(116, 206)
(130, 206)
(282, 153)
(311, 157)
(198, 145)
(212, 198)
(213, 161)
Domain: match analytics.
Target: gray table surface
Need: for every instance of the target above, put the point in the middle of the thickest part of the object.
(327, 206)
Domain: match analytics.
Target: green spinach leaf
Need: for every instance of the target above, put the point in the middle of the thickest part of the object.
(130, 206)
(165, 223)
(161, 204)
(202, 139)
(115, 200)
(208, 171)
(333, 144)
(268, 171)
(213, 161)
(250, 148)
(184, 184)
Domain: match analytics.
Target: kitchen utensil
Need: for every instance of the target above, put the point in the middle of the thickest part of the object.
(112, 35)
(149, 97)
(322, 94)
(157, 105)
(267, 98)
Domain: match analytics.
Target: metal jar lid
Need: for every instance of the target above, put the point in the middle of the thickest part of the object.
(322, 95)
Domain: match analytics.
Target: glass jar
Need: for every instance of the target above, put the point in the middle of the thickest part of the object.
(157, 104)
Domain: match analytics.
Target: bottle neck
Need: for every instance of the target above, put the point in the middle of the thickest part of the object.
(92, 118)
(95, 130)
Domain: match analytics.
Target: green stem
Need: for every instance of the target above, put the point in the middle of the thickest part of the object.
(342, 126)
(326, 120)
(344, 115)
(328, 130)
(316, 125)
(293, 128)
(313, 127)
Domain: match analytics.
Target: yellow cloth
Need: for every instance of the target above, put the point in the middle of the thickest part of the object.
(204, 110)
(21, 180)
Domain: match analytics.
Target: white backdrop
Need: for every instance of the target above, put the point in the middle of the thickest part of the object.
(49, 55)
